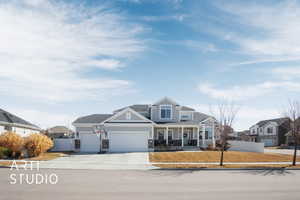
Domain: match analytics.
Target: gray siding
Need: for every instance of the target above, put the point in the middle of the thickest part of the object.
(155, 113)
(133, 117)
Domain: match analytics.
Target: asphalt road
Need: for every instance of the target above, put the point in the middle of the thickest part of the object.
(154, 184)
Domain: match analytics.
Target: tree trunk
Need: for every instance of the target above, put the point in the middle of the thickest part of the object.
(222, 156)
(295, 152)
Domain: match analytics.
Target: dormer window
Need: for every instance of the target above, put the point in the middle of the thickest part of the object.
(165, 112)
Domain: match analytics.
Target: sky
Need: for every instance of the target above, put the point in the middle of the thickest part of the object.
(60, 60)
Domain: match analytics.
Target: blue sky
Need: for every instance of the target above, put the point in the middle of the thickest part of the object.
(64, 59)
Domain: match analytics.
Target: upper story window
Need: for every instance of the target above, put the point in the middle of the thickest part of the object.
(185, 116)
(270, 130)
(165, 111)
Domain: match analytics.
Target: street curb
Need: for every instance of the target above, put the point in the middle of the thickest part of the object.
(225, 169)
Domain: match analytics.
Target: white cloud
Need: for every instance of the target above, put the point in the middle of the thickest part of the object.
(47, 47)
(177, 17)
(287, 73)
(247, 91)
(272, 30)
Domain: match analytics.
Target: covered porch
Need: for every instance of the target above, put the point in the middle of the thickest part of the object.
(174, 137)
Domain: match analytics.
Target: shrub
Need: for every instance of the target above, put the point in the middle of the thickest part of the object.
(37, 143)
(5, 152)
(13, 142)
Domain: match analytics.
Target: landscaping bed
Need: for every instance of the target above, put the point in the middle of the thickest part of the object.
(214, 156)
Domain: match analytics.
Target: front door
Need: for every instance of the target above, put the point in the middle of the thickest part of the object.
(187, 136)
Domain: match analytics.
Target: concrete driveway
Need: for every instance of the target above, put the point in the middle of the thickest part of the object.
(112, 161)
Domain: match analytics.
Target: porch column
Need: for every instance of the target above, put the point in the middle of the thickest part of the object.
(203, 135)
(182, 136)
(213, 135)
(197, 129)
(152, 133)
(167, 133)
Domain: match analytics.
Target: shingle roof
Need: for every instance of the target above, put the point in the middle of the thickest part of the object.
(185, 108)
(96, 118)
(59, 129)
(199, 117)
(279, 121)
(13, 119)
(136, 107)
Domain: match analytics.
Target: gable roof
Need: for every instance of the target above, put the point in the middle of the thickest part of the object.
(7, 117)
(90, 119)
(199, 117)
(59, 129)
(185, 108)
(279, 121)
(126, 110)
(136, 107)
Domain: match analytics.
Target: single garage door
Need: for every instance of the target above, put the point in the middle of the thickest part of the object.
(89, 142)
(128, 141)
(268, 142)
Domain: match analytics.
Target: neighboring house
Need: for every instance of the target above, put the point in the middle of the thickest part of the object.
(271, 132)
(246, 136)
(289, 137)
(164, 124)
(59, 132)
(13, 123)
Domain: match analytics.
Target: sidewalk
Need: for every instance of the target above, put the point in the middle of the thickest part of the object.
(225, 163)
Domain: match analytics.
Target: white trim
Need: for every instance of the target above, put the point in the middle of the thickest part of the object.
(171, 114)
(124, 111)
(85, 124)
(20, 125)
(85, 132)
(209, 118)
(174, 126)
(128, 125)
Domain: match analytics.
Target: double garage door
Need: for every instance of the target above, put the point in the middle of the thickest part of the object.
(268, 142)
(128, 141)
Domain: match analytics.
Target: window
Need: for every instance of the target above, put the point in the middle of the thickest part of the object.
(170, 134)
(128, 115)
(160, 134)
(176, 136)
(165, 111)
(270, 130)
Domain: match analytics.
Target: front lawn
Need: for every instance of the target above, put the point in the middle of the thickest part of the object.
(233, 166)
(214, 156)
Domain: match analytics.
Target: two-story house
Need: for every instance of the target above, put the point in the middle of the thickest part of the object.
(162, 125)
(271, 132)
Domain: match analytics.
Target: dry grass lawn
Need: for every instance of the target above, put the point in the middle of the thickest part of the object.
(190, 166)
(214, 156)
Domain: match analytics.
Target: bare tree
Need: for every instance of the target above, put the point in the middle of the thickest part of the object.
(225, 114)
(293, 113)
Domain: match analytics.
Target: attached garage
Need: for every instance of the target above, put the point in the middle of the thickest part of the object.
(89, 143)
(129, 141)
(268, 142)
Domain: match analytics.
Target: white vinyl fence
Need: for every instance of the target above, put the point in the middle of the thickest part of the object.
(63, 144)
(246, 146)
